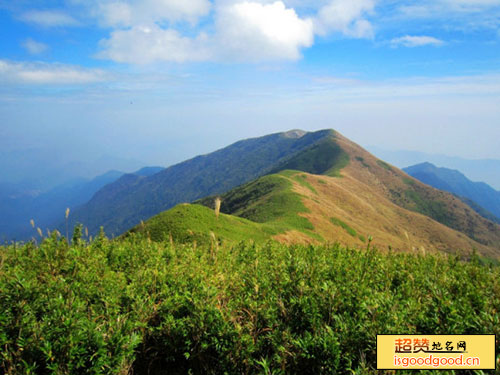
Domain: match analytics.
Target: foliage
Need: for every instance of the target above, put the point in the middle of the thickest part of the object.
(347, 228)
(384, 165)
(302, 180)
(324, 157)
(268, 200)
(137, 306)
(186, 223)
(431, 207)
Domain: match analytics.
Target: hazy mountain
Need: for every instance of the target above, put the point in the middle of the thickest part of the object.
(47, 209)
(455, 182)
(342, 193)
(487, 170)
(35, 171)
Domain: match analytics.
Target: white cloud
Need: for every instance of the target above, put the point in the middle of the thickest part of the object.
(416, 41)
(117, 13)
(34, 47)
(49, 18)
(347, 17)
(42, 73)
(244, 31)
(254, 31)
(149, 44)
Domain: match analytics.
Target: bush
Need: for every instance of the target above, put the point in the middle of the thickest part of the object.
(135, 306)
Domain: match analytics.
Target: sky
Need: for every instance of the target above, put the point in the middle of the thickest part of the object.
(161, 81)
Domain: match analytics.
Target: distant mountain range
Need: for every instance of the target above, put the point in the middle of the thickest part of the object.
(482, 197)
(47, 209)
(35, 171)
(487, 170)
(330, 189)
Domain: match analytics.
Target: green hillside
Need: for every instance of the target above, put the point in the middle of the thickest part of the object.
(257, 210)
(134, 306)
(187, 223)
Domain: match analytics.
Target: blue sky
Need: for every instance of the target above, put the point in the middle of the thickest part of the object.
(164, 80)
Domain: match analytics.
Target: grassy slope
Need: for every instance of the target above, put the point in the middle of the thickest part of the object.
(297, 207)
(260, 210)
(406, 192)
(186, 223)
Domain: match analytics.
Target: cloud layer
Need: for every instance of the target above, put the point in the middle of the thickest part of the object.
(49, 18)
(252, 31)
(42, 73)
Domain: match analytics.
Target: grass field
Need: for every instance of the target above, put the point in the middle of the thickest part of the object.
(138, 306)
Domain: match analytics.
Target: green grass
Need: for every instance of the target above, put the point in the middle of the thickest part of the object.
(362, 161)
(302, 180)
(192, 222)
(268, 200)
(139, 306)
(408, 181)
(384, 165)
(325, 157)
(343, 225)
(432, 208)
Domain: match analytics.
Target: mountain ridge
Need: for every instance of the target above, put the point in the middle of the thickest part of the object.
(457, 183)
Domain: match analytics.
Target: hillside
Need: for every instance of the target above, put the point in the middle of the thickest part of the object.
(298, 207)
(123, 204)
(357, 196)
(455, 182)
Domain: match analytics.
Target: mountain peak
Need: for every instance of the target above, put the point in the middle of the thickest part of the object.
(294, 133)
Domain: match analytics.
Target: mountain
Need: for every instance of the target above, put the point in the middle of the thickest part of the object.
(47, 209)
(455, 182)
(487, 170)
(121, 205)
(336, 191)
(37, 171)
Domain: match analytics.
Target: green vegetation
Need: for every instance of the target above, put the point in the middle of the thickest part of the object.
(186, 223)
(139, 306)
(347, 228)
(268, 200)
(384, 165)
(408, 181)
(432, 208)
(299, 178)
(302, 180)
(343, 225)
(324, 157)
(362, 161)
